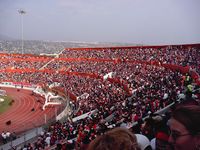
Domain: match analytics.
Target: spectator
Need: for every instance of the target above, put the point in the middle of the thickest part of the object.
(4, 137)
(8, 135)
(13, 136)
(185, 128)
(143, 142)
(117, 139)
(47, 140)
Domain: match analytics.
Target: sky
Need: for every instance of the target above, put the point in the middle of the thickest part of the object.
(150, 22)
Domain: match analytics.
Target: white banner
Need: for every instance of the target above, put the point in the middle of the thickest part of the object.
(109, 75)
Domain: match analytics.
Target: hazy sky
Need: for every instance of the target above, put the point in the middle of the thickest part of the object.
(130, 21)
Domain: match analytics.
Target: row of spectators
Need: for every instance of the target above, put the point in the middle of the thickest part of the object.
(21, 65)
(19, 61)
(180, 55)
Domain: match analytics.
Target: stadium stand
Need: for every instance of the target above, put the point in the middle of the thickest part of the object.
(144, 80)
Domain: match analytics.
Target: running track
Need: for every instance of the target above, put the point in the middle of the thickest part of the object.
(20, 114)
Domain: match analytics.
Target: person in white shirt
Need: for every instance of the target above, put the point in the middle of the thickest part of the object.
(4, 137)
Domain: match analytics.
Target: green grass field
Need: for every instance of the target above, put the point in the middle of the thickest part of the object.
(5, 104)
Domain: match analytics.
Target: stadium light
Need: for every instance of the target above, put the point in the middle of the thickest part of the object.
(22, 12)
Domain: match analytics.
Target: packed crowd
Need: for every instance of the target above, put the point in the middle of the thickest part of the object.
(152, 132)
(18, 61)
(152, 88)
(180, 55)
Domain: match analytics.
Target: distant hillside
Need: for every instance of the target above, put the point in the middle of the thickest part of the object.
(49, 47)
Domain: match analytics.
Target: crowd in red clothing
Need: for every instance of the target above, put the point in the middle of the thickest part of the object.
(152, 88)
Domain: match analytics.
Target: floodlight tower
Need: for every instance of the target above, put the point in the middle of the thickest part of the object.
(22, 12)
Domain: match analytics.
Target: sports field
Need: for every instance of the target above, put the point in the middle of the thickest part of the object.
(25, 113)
(5, 103)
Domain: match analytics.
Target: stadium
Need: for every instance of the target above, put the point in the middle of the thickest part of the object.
(99, 75)
(82, 92)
